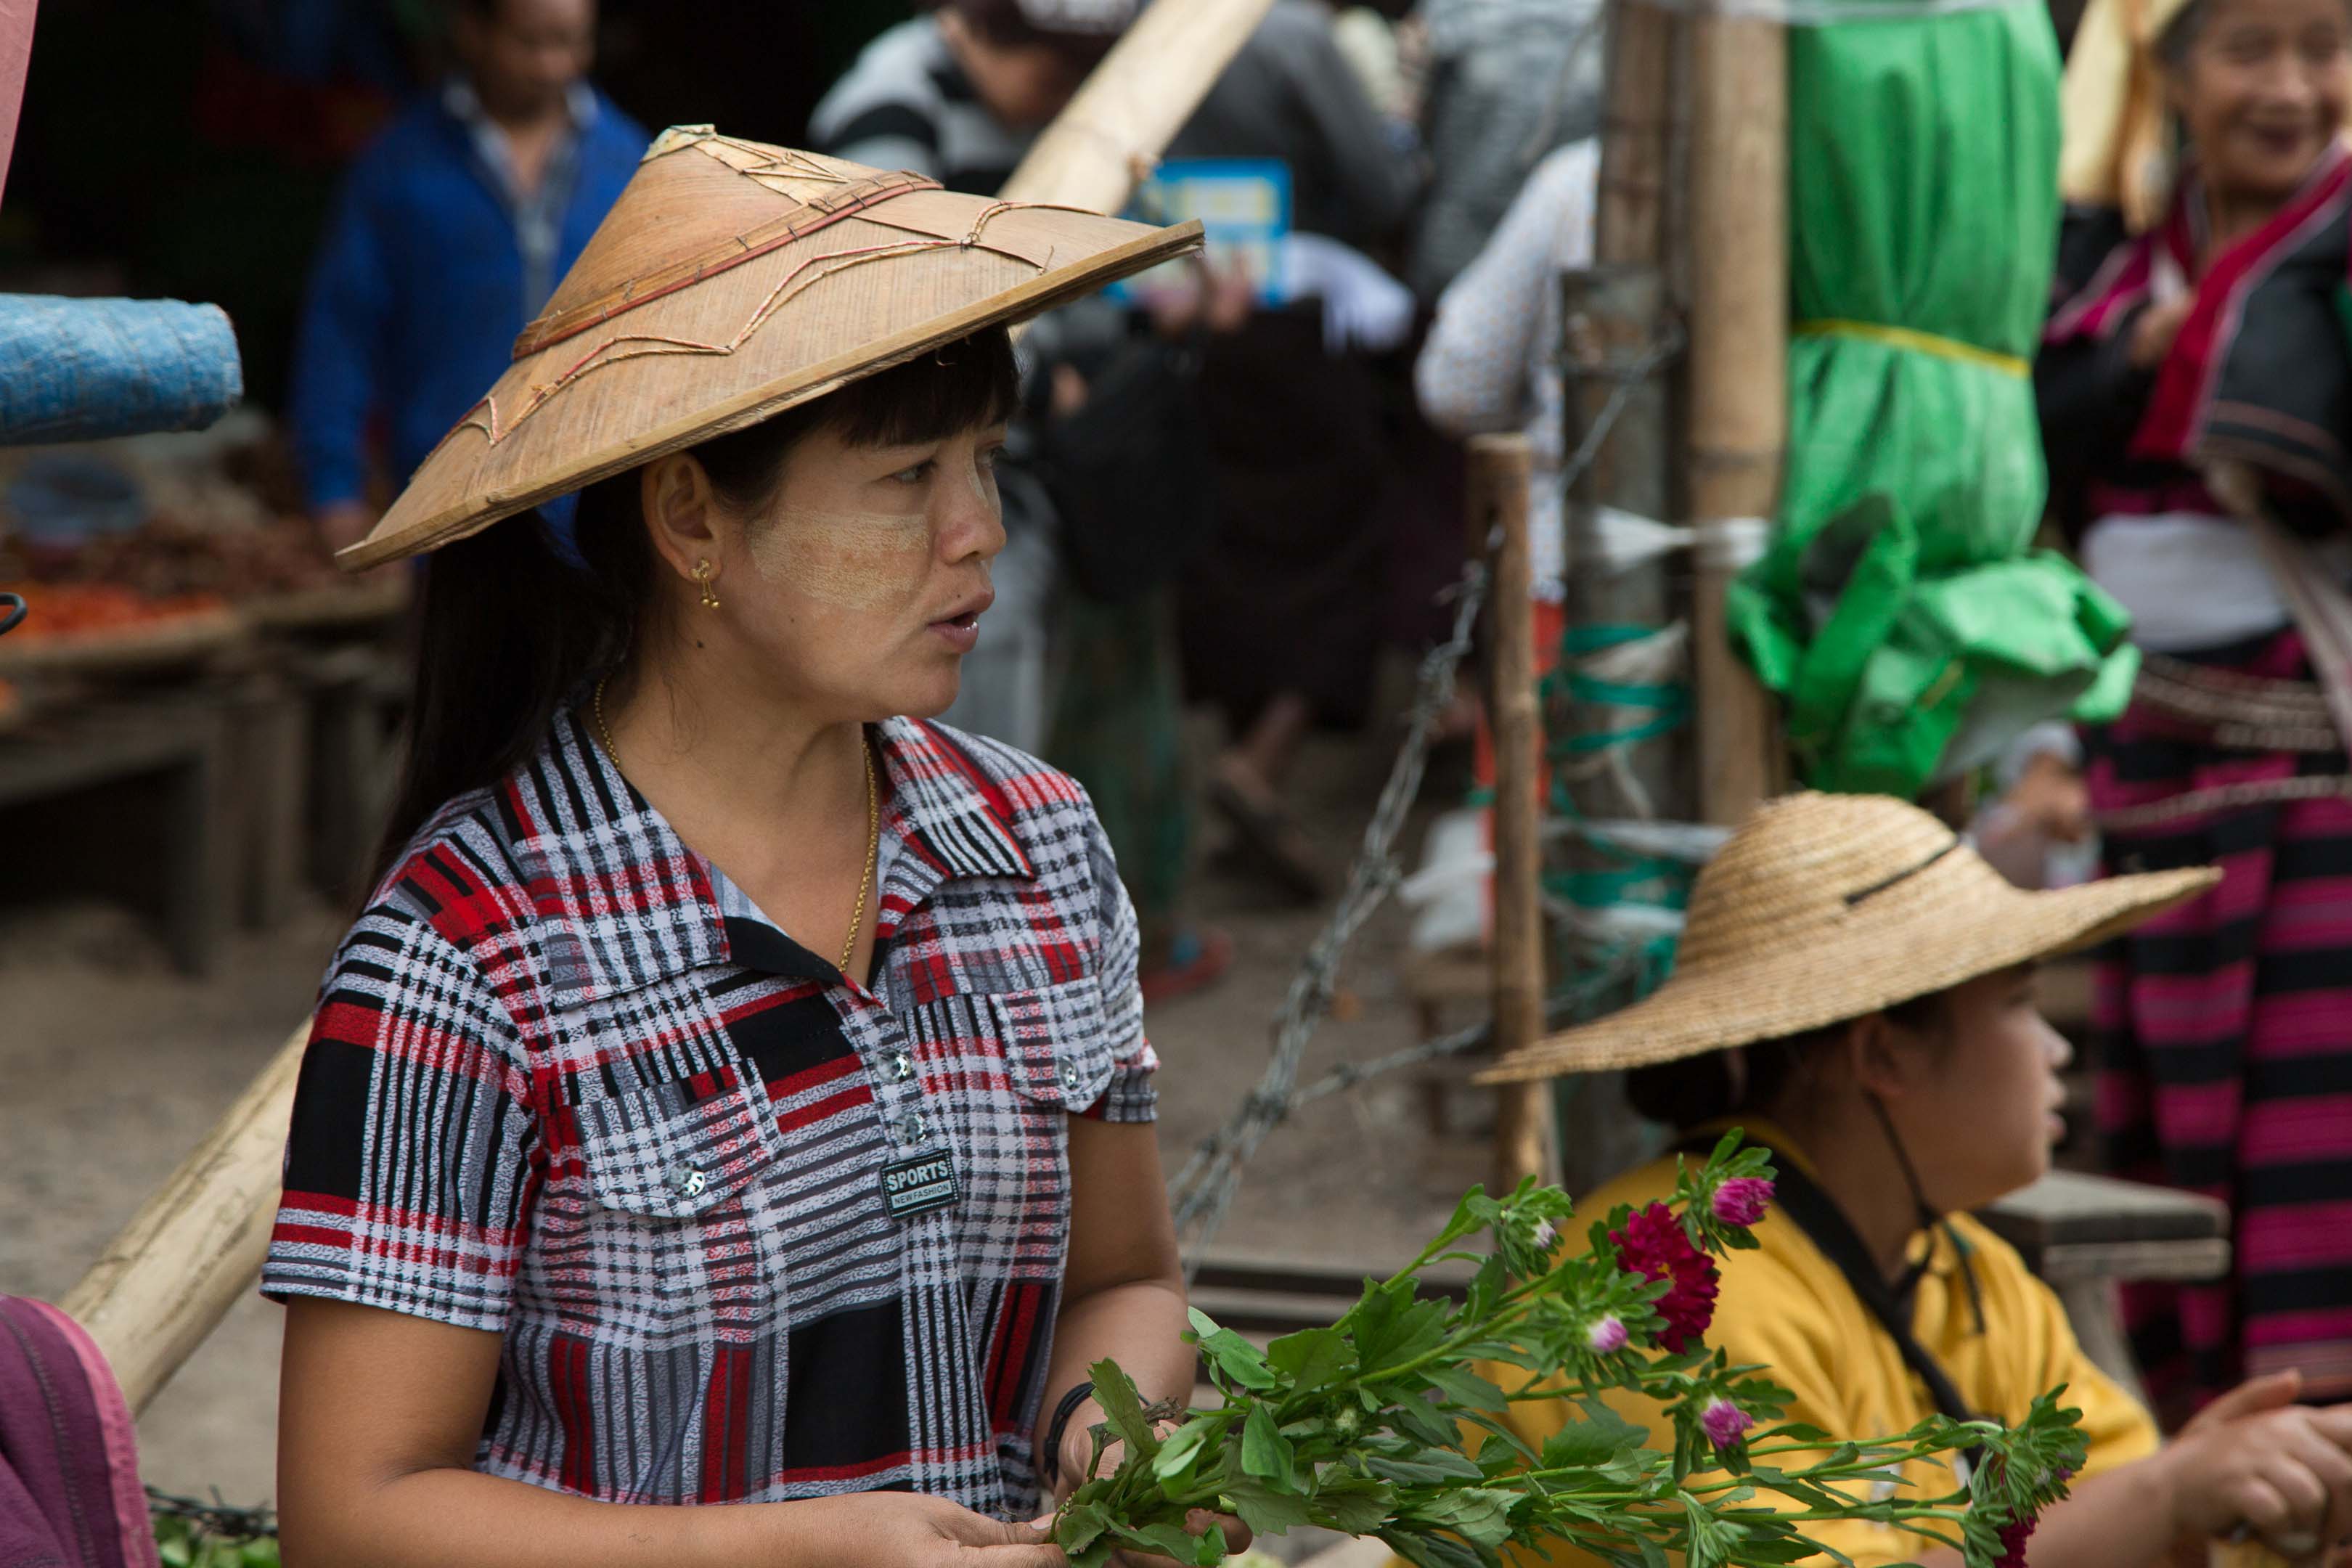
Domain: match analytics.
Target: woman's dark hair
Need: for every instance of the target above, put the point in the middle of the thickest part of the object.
(1699, 1089)
(2180, 35)
(511, 631)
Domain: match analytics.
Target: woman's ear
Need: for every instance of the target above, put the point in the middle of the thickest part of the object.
(681, 513)
(1875, 1054)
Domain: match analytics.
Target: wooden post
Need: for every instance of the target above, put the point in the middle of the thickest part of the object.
(1637, 133)
(1611, 318)
(1110, 136)
(1739, 372)
(1500, 470)
(164, 1283)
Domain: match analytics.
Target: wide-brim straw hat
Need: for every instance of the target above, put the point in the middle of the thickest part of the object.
(1827, 907)
(731, 281)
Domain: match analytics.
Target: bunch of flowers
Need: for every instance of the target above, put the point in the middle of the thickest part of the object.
(1363, 1427)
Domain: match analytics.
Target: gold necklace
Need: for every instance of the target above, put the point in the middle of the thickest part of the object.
(873, 855)
(873, 823)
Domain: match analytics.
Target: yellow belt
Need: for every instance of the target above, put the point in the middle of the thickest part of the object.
(1921, 343)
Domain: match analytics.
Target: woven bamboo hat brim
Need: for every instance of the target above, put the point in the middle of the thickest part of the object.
(730, 281)
(1825, 907)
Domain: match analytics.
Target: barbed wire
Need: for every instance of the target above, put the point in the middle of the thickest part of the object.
(215, 1518)
(1203, 1192)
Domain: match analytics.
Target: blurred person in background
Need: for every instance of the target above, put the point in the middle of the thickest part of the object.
(1284, 608)
(2196, 400)
(958, 94)
(449, 233)
(1489, 364)
(1505, 83)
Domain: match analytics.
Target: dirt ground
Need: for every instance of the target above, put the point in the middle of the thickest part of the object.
(115, 1065)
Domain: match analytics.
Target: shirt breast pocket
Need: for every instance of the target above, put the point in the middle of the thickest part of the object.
(1005, 1071)
(664, 1236)
(1056, 1043)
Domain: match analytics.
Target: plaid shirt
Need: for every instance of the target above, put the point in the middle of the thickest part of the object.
(555, 1092)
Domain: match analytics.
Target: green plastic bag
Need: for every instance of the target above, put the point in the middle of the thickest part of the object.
(1900, 610)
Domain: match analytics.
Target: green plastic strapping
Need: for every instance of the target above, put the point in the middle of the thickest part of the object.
(1647, 880)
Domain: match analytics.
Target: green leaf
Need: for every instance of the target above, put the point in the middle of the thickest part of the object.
(1169, 1541)
(1235, 1356)
(1392, 1327)
(1177, 1448)
(1652, 1555)
(1590, 1442)
(1079, 1526)
(1353, 1504)
(1266, 1453)
(1463, 1386)
(1265, 1511)
(1313, 1357)
(1123, 1408)
(1427, 1468)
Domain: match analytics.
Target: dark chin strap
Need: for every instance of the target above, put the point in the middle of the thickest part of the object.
(1801, 1198)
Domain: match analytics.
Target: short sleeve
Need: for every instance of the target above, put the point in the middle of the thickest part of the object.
(2116, 1428)
(408, 1160)
(1130, 1096)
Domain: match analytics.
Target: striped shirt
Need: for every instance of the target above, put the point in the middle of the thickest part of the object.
(567, 1086)
(905, 104)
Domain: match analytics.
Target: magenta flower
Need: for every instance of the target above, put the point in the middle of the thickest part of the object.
(1607, 1336)
(1653, 1245)
(1742, 1200)
(1726, 1423)
(2013, 1537)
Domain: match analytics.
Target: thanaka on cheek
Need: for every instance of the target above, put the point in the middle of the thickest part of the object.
(855, 560)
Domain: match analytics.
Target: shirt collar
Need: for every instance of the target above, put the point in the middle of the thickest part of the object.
(627, 902)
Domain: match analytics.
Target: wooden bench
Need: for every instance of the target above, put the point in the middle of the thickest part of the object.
(2084, 1235)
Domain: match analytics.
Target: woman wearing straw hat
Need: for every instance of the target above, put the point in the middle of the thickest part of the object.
(2196, 397)
(1855, 989)
(735, 1089)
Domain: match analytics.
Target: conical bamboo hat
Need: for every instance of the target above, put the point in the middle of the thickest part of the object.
(730, 281)
(1825, 907)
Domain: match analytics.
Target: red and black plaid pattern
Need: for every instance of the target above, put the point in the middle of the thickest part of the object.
(555, 1092)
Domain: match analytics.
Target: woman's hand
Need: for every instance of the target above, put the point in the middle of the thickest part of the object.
(2158, 326)
(1078, 1447)
(908, 1529)
(2255, 1459)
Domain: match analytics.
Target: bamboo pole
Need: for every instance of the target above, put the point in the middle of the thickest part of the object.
(1111, 134)
(1501, 468)
(1739, 372)
(165, 1281)
(1637, 133)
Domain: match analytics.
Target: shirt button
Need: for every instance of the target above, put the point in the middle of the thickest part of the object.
(902, 1066)
(1069, 1075)
(686, 1181)
(911, 1127)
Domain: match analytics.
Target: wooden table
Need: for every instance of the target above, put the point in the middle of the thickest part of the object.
(2084, 1235)
(168, 753)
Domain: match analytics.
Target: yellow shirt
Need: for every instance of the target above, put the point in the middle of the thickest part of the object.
(1787, 1306)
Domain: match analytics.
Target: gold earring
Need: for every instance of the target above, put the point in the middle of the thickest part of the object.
(702, 575)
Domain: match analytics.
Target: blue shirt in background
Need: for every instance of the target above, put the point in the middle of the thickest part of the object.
(430, 265)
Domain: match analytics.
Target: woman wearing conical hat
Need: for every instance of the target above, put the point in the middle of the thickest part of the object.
(1854, 990)
(2196, 390)
(735, 1088)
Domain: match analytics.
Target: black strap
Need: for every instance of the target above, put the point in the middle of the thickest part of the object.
(1049, 1462)
(1818, 1215)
